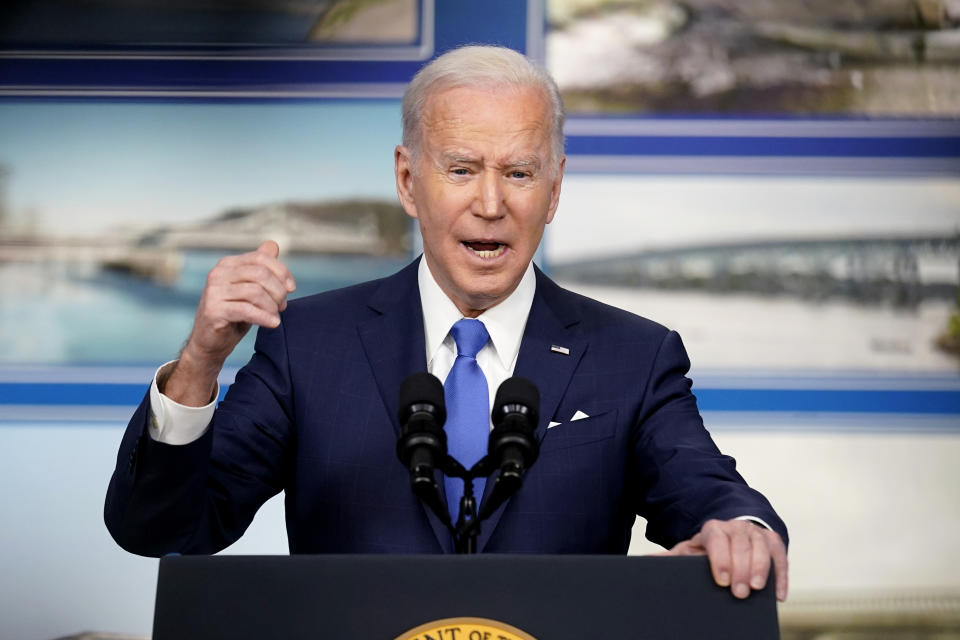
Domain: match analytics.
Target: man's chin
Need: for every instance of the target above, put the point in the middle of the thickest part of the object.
(481, 299)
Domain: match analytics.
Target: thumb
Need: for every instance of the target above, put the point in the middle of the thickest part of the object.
(270, 248)
(680, 549)
(692, 547)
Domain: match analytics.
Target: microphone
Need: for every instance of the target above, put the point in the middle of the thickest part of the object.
(422, 445)
(513, 447)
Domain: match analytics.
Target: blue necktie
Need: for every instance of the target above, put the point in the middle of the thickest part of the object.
(468, 407)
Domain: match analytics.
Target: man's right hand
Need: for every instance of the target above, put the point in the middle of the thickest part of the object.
(240, 291)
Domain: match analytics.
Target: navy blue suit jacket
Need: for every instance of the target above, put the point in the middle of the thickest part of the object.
(314, 414)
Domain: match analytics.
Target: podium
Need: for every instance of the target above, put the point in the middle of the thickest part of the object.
(481, 597)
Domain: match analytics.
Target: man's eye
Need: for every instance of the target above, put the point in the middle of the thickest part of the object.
(459, 171)
(519, 175)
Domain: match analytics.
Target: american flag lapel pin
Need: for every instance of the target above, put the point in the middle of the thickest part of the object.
(558, 349)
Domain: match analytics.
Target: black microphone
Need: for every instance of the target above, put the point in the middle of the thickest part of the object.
(422, 445)
(513, 447)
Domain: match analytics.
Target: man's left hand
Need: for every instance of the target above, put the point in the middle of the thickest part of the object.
(740, 553)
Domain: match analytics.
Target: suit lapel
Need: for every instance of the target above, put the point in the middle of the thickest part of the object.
(393, 342)
(552, 323)
(393, 338)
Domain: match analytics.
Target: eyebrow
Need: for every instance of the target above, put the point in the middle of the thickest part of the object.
(532, 161)
(460, 158)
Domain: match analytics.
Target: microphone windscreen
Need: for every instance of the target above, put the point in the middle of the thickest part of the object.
(517, 390)
(421, 388)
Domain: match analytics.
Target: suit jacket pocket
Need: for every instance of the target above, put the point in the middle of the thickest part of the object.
(580, 432)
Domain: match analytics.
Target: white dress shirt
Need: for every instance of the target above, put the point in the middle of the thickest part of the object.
(505, 323)
(174, 423)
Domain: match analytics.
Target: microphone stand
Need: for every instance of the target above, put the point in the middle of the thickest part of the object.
(467, 528)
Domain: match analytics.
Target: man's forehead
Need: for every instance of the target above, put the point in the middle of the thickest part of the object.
(460, 106)
(461, 122)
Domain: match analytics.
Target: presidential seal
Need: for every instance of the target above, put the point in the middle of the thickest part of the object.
(465, 629)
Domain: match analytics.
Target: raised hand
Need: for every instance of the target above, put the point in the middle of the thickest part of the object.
(241, 291)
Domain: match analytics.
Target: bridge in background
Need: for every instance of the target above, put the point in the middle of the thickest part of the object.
(901, 271)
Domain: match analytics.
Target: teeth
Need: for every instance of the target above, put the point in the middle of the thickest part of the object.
(490, 254)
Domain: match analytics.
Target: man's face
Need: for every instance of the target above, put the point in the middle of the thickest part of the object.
(483, 188)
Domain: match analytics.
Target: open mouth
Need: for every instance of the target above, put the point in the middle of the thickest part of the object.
(486, 249)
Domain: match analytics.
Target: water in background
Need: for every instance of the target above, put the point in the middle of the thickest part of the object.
(57, 313)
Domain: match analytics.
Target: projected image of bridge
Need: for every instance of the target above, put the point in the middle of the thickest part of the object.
(898, 271)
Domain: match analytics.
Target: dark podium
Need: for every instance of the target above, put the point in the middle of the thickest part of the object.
(414, 597)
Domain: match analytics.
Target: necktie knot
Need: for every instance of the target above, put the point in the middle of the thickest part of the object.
(470, 336)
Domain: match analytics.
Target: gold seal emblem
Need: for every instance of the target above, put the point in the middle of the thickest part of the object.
(465, 629)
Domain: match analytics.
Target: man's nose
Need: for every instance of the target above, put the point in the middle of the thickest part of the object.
(490, 198)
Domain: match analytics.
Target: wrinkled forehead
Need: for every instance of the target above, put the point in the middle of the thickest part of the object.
(501, 114)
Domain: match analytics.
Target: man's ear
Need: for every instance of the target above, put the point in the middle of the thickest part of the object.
(403, 171)
(555, 190)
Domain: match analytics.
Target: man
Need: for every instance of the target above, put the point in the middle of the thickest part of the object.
(314, 412)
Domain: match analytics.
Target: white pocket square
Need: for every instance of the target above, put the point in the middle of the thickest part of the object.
(579, 415)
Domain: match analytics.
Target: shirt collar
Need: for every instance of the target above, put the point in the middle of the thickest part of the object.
(505, 322)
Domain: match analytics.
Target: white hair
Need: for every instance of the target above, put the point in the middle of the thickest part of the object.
(481, 66)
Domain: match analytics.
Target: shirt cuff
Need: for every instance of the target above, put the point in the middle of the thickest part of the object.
(756, 520)
(175, 423)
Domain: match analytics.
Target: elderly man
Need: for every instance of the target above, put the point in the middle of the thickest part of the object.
(314, 412)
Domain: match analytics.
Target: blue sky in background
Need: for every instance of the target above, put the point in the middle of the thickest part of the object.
(84, 167)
